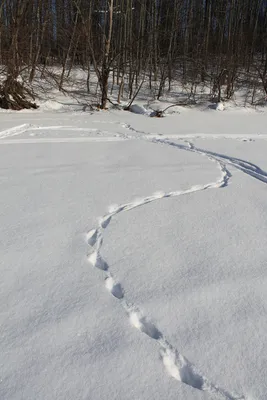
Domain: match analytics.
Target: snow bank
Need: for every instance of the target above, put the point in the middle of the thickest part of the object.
(138, 109)
(219, 106)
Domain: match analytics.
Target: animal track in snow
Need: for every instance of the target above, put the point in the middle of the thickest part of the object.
(16, 130)
(104, 221)
(142, 324)
(180, 369)
(114, 288)
(91, 237)
(97, 261)
(185, 371)
(245, 166)
(174, 362)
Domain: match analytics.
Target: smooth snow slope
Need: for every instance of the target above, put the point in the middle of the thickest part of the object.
(181, 241)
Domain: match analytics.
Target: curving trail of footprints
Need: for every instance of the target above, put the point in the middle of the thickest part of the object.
(175, 363)
(245, 166)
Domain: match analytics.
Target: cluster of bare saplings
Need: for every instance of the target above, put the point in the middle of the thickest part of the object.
(222, 43)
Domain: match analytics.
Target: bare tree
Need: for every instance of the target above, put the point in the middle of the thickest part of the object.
(197, 42)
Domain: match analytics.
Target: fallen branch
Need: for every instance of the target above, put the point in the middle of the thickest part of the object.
(160, 113)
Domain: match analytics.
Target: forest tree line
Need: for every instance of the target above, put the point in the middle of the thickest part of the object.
(223, 42)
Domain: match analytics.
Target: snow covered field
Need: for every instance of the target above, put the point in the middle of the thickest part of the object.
(133, 256)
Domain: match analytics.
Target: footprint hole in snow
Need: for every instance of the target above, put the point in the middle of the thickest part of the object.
(114, 288)
(191, 378)
(180, 369)
(91, 237)
(104, 221)
(145, 326)
(168, 359)
(97, 261)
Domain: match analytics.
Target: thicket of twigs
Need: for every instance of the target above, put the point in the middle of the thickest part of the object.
(222, 43)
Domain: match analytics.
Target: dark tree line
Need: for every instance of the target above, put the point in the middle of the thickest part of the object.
(221, 43)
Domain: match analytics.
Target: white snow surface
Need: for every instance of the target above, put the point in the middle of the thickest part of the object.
(220, 106)
(133, 256)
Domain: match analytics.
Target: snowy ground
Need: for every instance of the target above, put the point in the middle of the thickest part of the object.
(168, 300)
